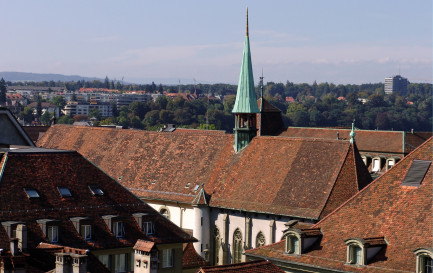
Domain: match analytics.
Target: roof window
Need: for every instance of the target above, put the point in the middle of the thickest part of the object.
(31, 193)
(416, 173)
(361, 250)
(64, 192)
(96, 190)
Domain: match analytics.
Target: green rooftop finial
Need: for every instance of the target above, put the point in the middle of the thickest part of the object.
(352, 133)
(246, 100)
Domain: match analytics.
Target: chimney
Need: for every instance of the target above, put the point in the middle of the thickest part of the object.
(21, 234)
(63, 264)
(79, 263)
(14, 246)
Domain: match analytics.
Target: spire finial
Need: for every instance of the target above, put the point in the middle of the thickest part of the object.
(247, 21)
(352, 133)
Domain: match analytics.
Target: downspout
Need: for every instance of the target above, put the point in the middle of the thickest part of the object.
(404, 143)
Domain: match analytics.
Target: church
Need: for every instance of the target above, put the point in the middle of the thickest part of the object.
(232, 192)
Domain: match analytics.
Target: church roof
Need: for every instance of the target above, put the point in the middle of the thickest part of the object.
(171, 167)
(246, 96)
(386, 211)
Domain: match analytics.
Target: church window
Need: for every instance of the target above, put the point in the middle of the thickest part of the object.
(217, 245)
(237, 246)
(165, 212)
(260, 239)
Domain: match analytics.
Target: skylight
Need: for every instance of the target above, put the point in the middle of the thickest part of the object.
(96, 190)
(416, 173)
(31, 193)
(64, 192)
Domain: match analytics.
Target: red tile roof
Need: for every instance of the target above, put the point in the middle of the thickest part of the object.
(397, 142)
(402, 215)
(159, 165)
(259, 266)
(45, 170)
(191, 258)
(144, 245)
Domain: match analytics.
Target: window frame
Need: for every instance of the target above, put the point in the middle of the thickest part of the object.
(167, 214)
(355, 247)
(167, 258)
(237, 246)
(86, 235)
(421, 255)
(64, 194)
(146, 225)
(293, 243)
(119, 229)
(50, 230)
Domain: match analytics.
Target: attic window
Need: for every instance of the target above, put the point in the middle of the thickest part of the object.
(361, 250)
(96, 190)
(416, 173)
(64, 192)
(187, 185)
(31, 193)
(196, 187)
(424, 260)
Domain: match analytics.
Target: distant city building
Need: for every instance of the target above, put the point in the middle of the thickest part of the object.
(396, 84)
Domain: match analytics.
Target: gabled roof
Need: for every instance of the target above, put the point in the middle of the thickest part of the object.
(399, 214)
(11, 132)
(259, 266)
(398, 142)
(172, 167)
(45, 170)
(191, 258)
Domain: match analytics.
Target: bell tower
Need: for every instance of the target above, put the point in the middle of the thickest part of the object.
(245, 107)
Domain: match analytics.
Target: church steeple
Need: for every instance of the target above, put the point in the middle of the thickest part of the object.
(245, 107)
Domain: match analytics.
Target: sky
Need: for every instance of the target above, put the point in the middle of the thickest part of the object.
(338, 41)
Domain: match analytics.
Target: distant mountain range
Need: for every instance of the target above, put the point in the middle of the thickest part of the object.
(37, 77)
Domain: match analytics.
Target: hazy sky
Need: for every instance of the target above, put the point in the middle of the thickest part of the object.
(339, 41)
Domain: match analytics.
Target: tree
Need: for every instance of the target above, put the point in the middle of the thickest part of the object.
(46, 118)
(59, 101)
(26, 115)
(2, 91)
(65, 120)
(39, 108)
(96, 113)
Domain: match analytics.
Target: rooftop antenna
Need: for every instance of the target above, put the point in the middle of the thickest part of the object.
(261, 103)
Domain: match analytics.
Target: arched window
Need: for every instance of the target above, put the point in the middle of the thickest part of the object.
(424, 263)
(355, 254)
(165, 212)
(237, 247)
(292, 244)
(260, 239)
(216, 246)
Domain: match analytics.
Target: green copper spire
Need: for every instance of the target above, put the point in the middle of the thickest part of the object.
(246, 100)
(352, 133)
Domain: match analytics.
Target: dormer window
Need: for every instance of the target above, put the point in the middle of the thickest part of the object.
(148, 228)
(31, 193)
(424, 260)
(83, 226)
(50, 228)
(300, 240)
(292, 244)
(64, 192)
(390, 162)
(359, 250)
(376, 164)
(119, 229)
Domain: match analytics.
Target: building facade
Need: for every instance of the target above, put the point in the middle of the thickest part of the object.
(396, 85)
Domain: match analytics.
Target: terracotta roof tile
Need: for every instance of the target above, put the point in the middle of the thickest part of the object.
(401, 215)
(366, 140)
(259, 266)
(191, 258)
(167, 166)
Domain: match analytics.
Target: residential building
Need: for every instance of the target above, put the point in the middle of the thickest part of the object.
(396, 85)
(386, 227)
(85, 108)
(60, 212)
(45, 106)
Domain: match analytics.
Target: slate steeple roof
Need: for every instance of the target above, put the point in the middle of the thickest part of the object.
(245, 95)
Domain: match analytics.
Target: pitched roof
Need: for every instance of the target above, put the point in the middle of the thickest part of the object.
(367, 140)
(400, 214)
(11, 132)
(45, 171)
(259, 266)
(169, 166)
(191, 258)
